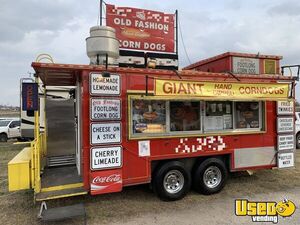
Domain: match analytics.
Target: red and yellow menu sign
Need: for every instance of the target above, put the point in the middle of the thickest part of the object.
(141, 29)
(223, 90)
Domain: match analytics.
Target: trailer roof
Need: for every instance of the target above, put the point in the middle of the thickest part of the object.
(54, 74)
(226, 54)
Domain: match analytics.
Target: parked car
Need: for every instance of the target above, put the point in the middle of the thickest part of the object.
(297, 129)
(9, 128)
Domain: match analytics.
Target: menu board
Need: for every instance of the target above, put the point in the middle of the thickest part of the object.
(285, 142)
(106, 157)
(227, 119)
(243, 65)
(100, 85)
(105, 133)
(285, 134)
(285, 107)
(285, 124)
(105, 109)
(213, 123)
(285, 160)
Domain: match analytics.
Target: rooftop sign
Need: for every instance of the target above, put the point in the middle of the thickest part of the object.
(140, 29)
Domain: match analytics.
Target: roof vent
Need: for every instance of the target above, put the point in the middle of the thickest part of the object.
(101, 45)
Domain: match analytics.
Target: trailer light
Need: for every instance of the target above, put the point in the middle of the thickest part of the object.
(151, 63)
(105, 74)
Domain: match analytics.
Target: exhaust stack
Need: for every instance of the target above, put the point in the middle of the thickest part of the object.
(102, 45)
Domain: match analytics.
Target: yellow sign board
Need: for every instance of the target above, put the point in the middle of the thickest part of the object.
(223, 90)
(270, 66)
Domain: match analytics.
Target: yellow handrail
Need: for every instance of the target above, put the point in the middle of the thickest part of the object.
(43, 56)
(37, 153)
(32, 162)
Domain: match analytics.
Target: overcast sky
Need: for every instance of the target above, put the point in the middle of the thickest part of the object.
(59, 27)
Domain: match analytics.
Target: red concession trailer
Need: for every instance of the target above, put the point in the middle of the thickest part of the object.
(173, 129)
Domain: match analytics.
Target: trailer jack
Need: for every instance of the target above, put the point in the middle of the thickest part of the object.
(42, 208)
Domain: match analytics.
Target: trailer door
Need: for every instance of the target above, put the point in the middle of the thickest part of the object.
(61, 134)
(78, 126)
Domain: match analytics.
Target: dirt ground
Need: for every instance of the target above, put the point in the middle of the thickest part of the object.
(9, 113)
(138, 205)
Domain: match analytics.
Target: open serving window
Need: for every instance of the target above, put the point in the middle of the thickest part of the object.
(155, 117)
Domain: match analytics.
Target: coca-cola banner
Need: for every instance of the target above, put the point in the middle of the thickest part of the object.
(141, 29)
(106, 181)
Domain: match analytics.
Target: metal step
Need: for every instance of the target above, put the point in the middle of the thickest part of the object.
(60, 176)
(63, 213)
(44, 196)
(61, 160)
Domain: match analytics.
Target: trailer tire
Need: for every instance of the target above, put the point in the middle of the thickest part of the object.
(171, 181)
(210, 176)
(3, 137)
(298, 141)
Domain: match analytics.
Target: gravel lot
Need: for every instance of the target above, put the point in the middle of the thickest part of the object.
(138, 205)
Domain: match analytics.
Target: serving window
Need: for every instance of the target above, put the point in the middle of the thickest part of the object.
(157, 117)
(148, 116)
(218, 115)
(185, 116)
(248, 115)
